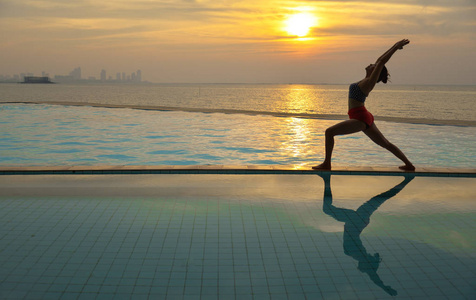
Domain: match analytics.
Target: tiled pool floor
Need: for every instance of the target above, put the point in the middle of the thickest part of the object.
(237, 237)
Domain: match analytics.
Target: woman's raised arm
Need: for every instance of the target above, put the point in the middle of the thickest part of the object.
(368, 84)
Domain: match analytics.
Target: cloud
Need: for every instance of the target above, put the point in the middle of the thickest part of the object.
(396, 18)
(96, 19)
(119, 9)
(240, 19)
(440, 3)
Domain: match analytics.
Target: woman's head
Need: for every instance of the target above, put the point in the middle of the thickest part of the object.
(383, 76)
(370, 263)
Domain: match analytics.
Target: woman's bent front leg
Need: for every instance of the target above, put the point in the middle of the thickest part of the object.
(342, 128)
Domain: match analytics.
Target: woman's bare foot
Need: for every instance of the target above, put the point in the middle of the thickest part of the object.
(407, 168)
(323, 166)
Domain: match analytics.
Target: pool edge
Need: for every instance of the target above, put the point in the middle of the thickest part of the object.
(233, 169)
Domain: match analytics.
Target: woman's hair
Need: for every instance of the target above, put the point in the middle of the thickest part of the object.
(384, 75)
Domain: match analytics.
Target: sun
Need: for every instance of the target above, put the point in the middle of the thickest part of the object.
(300, 24)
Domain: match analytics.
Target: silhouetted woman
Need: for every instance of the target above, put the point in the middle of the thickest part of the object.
(360, 118)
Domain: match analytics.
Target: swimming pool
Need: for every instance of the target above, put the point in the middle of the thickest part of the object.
(46, 135)
(237, 237)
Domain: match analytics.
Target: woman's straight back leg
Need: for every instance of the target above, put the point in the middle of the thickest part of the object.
(378, 138)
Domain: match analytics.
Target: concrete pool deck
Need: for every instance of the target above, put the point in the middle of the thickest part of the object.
(233, 169)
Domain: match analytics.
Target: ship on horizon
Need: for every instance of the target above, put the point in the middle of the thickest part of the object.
(37, 79)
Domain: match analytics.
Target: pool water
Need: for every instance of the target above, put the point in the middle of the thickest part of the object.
(46, 135)
(237, 237)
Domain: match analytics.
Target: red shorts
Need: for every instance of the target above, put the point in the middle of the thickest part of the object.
(362, 114)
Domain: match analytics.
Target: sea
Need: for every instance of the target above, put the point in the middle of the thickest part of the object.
(103, 123)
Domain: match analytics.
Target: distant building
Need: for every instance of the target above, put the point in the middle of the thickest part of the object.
(76, 74)
(139, 75)
(73, 76)
(36, 79)
(103, 75)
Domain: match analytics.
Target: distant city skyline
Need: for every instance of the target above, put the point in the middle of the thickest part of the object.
(76, 75)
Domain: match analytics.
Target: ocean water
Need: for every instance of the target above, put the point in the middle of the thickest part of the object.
(229, 124)
(386, 101)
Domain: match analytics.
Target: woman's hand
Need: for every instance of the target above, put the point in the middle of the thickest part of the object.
(399, 45)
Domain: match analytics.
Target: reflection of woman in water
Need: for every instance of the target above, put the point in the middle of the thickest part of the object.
(360, 118)
(355, 223)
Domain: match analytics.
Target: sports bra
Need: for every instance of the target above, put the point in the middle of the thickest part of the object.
(356, 93)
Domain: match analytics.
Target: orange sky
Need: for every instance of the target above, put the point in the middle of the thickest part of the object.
(239, 41)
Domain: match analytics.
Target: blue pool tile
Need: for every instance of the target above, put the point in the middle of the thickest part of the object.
(166, 247)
